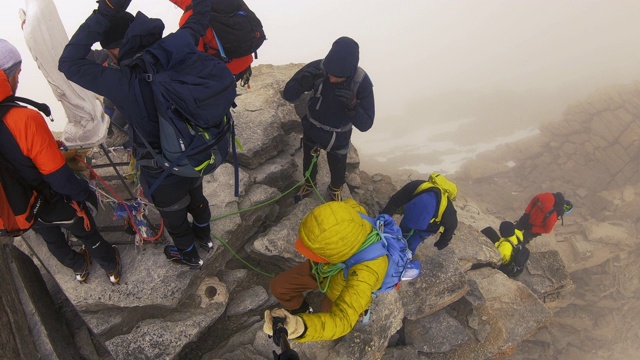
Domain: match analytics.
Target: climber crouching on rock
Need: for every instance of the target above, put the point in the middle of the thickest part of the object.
(330, 234)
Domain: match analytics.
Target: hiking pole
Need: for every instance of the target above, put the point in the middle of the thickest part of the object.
(280, 338)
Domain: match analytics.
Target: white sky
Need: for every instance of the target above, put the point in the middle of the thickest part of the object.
(415, 49)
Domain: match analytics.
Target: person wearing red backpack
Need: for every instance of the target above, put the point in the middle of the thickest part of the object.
(28, 145)
(239, 66)
(542, 213)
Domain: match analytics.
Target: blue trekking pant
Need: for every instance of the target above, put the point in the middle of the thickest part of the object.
(414, 237)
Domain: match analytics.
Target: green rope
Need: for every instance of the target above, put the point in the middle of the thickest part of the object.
(326, 271)
(239, 258)
(307, 175)
(270, 201)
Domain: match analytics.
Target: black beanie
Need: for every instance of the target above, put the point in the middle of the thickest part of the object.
(118, 26)
(507, 229)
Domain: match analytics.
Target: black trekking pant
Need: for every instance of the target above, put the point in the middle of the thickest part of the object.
(177, 199)
(337, 164)
(59, 214)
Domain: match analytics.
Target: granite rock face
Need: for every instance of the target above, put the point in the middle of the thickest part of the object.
(464, 305)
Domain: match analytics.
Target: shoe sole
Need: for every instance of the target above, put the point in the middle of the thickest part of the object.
(176, 259)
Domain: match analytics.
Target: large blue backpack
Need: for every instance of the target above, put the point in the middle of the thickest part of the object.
(193, 93)
(392, 244)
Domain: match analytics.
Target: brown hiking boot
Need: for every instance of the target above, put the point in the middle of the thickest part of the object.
(83, 273)
(114, 275)
(334, 194)
(304, 191)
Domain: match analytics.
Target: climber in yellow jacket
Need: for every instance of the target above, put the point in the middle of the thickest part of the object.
(510, 239)
(510, 243)
(330, 234)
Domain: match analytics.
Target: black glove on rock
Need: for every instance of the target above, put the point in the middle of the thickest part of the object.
(441, 244)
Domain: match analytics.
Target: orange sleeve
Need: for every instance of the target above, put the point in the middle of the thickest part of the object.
(35, 139)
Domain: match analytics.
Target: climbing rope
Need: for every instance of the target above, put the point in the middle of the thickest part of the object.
(326, 271)
(120, 200)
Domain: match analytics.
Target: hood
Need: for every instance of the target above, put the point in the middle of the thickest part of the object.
(342, 60)
(5, 87)
(335, 230)
(142, 33)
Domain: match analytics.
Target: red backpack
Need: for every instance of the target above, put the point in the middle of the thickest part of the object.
(19, 201)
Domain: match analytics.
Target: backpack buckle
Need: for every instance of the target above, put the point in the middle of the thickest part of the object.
(148, 77)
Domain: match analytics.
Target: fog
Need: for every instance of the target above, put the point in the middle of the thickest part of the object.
(451, 77)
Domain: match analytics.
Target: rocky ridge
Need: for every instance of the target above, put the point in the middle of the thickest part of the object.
(466, 308)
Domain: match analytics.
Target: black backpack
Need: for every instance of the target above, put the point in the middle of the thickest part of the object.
(19, 201)
(518, 262)
(237, 29)
(193, 93)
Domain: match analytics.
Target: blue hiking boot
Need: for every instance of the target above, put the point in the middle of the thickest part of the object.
(187, 257)
(412, 270)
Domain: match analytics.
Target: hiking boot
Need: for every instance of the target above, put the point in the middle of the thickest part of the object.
(304, 191)
(114, 275)
(83, 273)
(334, 194)
(187, 257)
(411, 271)
(202, 235)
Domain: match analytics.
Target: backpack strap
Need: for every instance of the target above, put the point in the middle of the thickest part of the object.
(547, 215)
(443, 200)
(371, 252)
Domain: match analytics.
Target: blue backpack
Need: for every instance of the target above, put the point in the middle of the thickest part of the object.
(193, 93)
(392, 244)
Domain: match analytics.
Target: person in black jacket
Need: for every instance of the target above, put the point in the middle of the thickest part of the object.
(336, 106)
(421, 204)
(176, 196)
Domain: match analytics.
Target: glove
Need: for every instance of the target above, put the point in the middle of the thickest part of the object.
(346, 95)
(294, 324)
(109, 8)
(441, 244)
(309, 77)
(92, 203)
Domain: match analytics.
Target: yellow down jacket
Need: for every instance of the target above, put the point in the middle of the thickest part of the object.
(505, 246)
(335, 231)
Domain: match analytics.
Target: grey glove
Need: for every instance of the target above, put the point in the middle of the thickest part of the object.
(347, 97)
(308, 78)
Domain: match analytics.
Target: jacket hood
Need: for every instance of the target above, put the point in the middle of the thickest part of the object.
(342, 60)
(335, 230)
(142, 33)
(5, 87)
